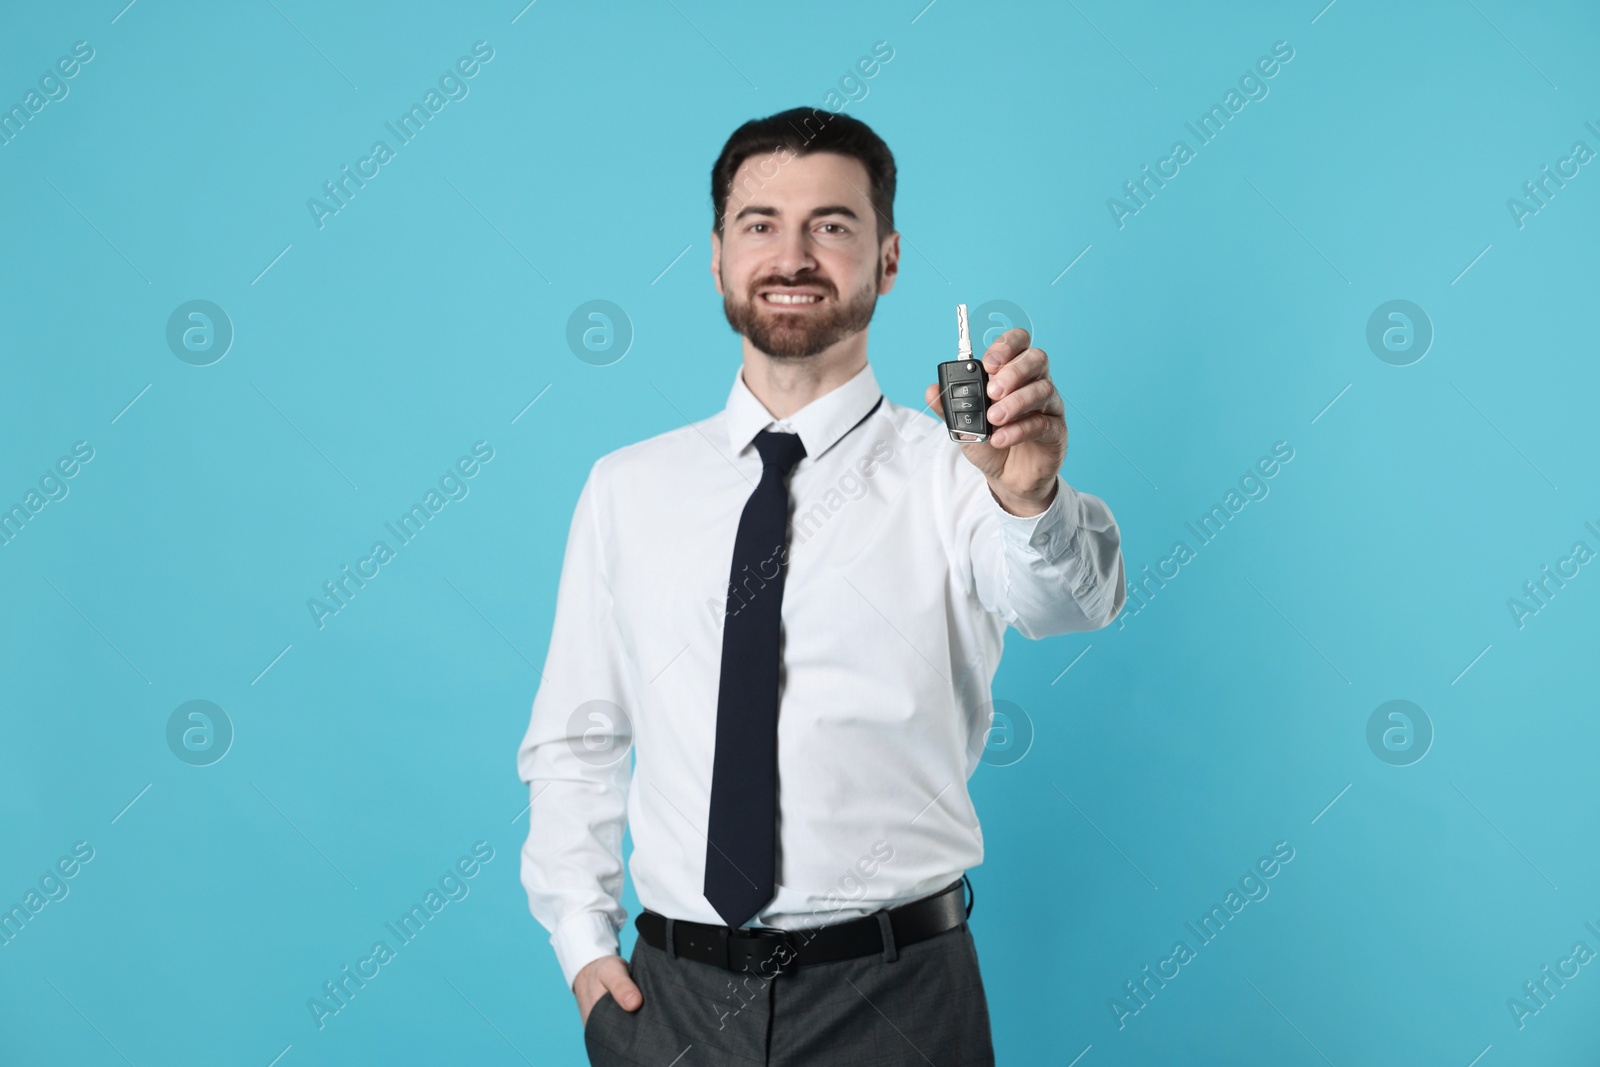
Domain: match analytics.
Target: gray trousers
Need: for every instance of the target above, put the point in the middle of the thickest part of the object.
(917, 1006)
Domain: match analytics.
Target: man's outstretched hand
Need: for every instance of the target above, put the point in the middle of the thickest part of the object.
(1024, 452)
(608, 973)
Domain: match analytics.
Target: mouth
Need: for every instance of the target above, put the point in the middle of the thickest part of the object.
(789, 298)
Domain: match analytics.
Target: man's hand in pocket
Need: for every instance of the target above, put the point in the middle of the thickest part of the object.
(606, 974)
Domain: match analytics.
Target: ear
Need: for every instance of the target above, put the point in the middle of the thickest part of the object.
(889, 257)
(716, 262)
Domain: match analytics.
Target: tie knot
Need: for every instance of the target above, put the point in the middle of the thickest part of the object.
(781, 450)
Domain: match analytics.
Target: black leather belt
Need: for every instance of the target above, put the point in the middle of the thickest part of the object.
(767, 951)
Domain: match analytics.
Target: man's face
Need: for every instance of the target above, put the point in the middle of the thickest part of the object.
(799, 264)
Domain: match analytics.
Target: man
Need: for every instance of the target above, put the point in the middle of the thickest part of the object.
(791, 612)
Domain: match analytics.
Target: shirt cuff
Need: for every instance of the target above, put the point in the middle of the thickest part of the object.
(581, 939)
(1047, 534)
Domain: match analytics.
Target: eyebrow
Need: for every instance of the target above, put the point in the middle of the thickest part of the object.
(772, 212)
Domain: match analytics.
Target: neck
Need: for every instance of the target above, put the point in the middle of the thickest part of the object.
(784, 386)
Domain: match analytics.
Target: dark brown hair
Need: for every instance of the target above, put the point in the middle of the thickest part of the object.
(804, 130)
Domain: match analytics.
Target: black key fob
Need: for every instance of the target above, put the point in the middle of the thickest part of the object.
(964, 389)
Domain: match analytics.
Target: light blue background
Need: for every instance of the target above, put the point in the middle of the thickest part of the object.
(1224, 317)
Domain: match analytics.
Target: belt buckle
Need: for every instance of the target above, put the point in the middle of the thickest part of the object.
(764, 952)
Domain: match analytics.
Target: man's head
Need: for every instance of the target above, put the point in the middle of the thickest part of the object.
(803, 238)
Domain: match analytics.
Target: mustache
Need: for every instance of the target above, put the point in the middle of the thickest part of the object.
(813, 280)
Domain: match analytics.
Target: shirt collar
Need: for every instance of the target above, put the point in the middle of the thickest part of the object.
(820, 423)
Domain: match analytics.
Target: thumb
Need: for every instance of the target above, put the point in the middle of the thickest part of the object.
(623, 991)
(934, 400)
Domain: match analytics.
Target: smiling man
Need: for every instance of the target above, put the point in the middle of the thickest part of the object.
(798, 789)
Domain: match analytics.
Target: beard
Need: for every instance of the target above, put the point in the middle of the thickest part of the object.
(799, 335)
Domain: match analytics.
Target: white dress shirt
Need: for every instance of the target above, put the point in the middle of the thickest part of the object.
(903, 575)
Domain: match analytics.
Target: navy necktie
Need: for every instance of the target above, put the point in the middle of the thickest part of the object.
(741, 832)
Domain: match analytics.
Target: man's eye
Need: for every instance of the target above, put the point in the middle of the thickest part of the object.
(834, 227)
(757, 226)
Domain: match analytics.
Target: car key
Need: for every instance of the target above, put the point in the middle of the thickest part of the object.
(964, 388)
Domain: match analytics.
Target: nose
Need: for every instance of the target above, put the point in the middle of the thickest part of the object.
(793, 253)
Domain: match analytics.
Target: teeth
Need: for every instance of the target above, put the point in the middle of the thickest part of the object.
(792, 298)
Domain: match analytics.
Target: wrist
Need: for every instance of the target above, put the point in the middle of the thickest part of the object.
(1025, 505)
